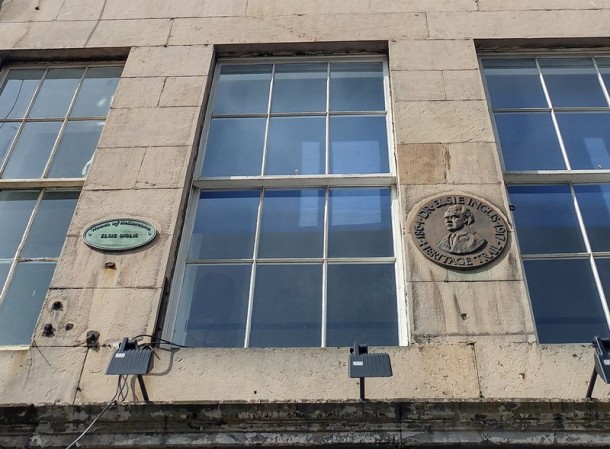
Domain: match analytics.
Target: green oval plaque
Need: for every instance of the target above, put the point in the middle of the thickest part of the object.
(119, 234)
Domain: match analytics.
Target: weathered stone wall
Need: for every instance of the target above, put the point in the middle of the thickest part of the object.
(472, 332)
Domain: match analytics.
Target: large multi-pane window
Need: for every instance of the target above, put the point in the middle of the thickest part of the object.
(552, 117)
(291, 234)
(50, 122)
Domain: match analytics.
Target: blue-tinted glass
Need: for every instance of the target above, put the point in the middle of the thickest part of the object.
(48, 232)
(225, 225)
(234, 147)
(18, 91)
(529, 141)
(287, 310)
(21, 306)
(567, 308)
(514, 83)
(56, 93)
(594, 203)
(299, 88)
(7, 133)
(603, 64)
(75, 150)
(15, 210)
(292, 223)
(603, 269)
(4, 269)
(545, 219)
(572, 82)
(296, 146)
(32, 150)
(216, 299)
(361, 305)
(358, 144)
(586, 136)
(242, 89)
(360, 223)
(356, 87)
(96, 92)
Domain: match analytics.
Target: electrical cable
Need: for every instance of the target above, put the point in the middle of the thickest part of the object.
(158, 339)
(119, 395)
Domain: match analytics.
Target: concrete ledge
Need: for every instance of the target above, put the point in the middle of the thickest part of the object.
(397, 424)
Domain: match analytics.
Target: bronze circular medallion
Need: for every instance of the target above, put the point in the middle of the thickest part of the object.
(459, 231)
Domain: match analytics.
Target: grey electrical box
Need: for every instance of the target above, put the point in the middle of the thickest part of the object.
(602, 357)
(130, 359)
(363, 364)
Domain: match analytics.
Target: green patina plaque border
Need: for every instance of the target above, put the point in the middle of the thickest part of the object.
(119, 234)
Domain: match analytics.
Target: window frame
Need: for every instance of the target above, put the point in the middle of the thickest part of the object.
(557, 177)
(44, 185)
(323, 181)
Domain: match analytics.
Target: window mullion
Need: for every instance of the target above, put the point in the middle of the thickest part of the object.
(253, 271)
(325, 268)
(327, 128)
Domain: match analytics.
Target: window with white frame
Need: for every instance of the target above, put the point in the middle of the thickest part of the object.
(51, 118)
(552, 117)
(292, 232)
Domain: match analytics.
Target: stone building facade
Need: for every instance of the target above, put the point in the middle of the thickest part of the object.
(471, 364)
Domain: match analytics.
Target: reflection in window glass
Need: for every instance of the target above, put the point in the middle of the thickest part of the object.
(572, 82)
(586, 136)
(529, 141)
(361, 305)
(242, 89)
(292, 223)
(19, 310)
(287, 308)
(566, 304)
(75, 150)
(225, 225)
(216, 298)
(291, 80)
(356, 87)
(358, 145)
(96, 92)
(594, 204)
(514, 83)
(56, 93)
(546, 219)
(18, 91)
(234, 147)
(15, 210)
(296, 146)
(32, 150)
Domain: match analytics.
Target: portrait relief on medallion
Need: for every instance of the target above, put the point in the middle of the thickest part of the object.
(459, 231)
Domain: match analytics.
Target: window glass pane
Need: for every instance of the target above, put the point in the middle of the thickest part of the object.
(356, 87)
(360, 224)
(358, 144)
(603, 269)
(292, 223)
(225, 225)
(18, 91)
(96, 92)
(514, 83)
(32, 150)
(75, 150)
(4, 269)
(242, 89)
(594, 203)
(216, 297)
(287, 309)
(234, 147)
(7, 133)
(603, 64)
(586, 136)
(50, 226)
(292, 81)
(545, 219)
(56, 93)
(21, 307)
(15, 210)
(529, 141)
(296, 146)
(361, 305)
(572, 82)
(566, 305)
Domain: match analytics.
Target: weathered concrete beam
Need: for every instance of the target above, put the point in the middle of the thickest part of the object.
(391, 424)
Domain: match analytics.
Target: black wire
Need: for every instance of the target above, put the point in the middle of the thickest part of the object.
(118, 395)
(158, 339)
